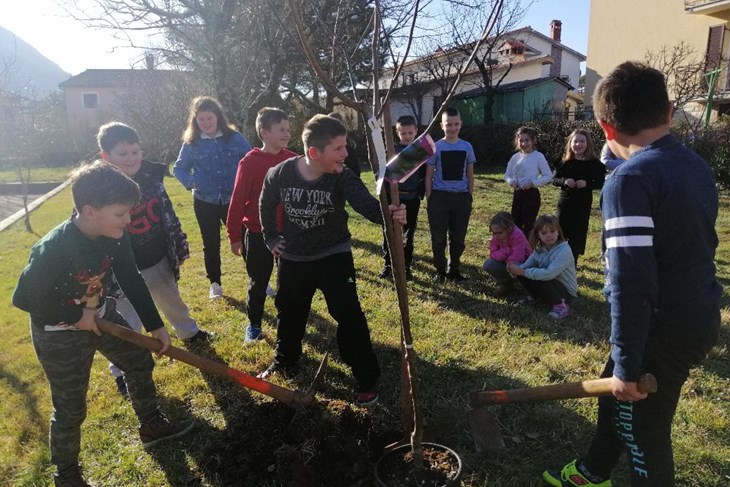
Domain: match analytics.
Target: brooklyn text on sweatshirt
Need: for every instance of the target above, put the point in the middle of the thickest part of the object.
(314, 215)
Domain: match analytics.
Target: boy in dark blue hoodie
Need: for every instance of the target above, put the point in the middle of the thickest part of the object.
(659, 210)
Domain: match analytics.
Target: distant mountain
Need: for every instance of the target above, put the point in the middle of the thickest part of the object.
(25, 70)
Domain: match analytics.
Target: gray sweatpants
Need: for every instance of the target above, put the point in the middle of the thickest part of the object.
(66, 357)
(163, 288)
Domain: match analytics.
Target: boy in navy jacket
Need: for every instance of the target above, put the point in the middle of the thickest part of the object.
(659, 210)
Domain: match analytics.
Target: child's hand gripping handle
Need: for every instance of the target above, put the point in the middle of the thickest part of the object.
(567, 390)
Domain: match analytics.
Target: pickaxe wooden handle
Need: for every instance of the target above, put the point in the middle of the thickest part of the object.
(287, 396)
(568, 390)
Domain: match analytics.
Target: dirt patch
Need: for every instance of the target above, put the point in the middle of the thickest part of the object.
(440, 468)
(329, 443)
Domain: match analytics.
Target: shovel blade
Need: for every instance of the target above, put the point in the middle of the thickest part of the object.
(484, 430)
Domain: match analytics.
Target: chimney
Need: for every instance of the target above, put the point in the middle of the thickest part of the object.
(556, 27)
(149, 60)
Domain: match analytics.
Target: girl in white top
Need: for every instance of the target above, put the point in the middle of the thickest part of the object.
(527, 169)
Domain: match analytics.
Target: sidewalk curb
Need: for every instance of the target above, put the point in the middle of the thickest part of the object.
(33, 205)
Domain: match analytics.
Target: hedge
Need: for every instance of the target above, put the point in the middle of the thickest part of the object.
(494, 144)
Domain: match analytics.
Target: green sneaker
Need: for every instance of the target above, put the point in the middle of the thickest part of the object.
(570, 476)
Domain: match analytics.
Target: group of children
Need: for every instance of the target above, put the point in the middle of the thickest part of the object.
(661, 285)
(548, 273)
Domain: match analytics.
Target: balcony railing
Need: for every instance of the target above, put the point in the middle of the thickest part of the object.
(706, 7)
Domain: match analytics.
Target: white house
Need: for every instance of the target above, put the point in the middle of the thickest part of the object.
(525, 54)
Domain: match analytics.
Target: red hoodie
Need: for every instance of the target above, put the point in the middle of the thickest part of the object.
(244, 206)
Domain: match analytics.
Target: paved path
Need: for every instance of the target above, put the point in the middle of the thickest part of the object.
(9, 204)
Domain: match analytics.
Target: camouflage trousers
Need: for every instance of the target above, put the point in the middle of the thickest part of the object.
(66, 358)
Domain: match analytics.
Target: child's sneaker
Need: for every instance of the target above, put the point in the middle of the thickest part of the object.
(161, 429)
(286, 371)
(570, 476)
(70, 477)
(526, 300)
(216, 291)
(504, 289)
(456, 276)
(559, 311)
(386, 273)
(253, 334)
(439, 277)
(122, 387)
(270, 291)
(201, 336)
(364, 399)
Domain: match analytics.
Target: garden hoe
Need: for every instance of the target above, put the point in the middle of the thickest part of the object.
(483, 424)
(282, 394)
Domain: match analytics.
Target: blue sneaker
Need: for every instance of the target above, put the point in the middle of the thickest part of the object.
(253, 334)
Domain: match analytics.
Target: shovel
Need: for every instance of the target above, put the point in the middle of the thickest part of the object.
(483, 424)
(282, 394)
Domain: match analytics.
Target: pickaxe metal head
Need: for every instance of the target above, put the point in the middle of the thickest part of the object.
(485, 430)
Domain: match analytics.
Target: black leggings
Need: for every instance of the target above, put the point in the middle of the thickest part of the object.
(643, 429)
(525, 207)
(211, 216)
(552, 292)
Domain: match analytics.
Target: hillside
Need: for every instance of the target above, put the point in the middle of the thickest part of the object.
(24, 69)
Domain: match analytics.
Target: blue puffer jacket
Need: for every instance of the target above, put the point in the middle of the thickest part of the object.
(209, 166)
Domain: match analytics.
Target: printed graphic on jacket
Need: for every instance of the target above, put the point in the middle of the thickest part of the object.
(95, 290)
(144, 217)
(146, 228)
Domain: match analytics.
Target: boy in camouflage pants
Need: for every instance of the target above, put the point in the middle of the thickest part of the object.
(64, 287)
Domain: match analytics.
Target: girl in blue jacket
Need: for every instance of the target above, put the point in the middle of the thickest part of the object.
(207, 165)
(549, 272)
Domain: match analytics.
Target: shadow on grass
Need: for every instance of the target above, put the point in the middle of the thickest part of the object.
(37, 424)
(717, 361)
(529, 429)
(475, 298)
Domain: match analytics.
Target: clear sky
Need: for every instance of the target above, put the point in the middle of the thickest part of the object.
(573, 13)
(65, 41)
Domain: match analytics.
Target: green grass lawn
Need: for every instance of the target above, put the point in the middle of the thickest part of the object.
(39, 174)
(466, 340)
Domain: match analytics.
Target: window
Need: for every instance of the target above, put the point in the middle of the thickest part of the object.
(90, 100)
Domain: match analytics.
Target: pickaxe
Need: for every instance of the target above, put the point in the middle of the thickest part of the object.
(282, 394)
(483, 424)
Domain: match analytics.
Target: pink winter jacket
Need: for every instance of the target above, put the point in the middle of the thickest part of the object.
(515, 248)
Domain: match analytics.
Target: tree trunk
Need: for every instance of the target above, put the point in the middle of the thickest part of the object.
(488, 105)
(24, 182)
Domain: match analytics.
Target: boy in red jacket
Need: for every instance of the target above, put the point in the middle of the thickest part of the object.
(243, 224)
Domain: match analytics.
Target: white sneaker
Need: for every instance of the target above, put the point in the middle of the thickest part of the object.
(216, 291)
(270, 291)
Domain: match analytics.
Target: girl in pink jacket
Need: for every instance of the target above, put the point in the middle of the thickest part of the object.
(508, 245)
